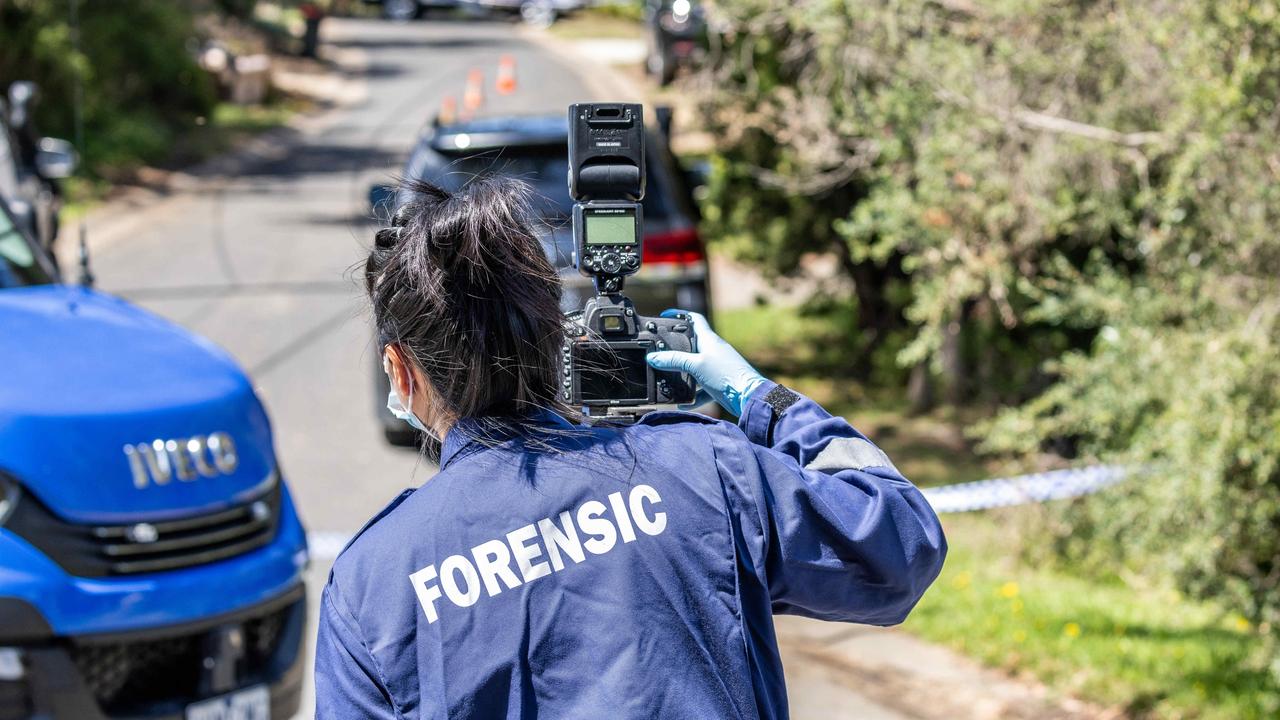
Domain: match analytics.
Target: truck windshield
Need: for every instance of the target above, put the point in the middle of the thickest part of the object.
(20, 263)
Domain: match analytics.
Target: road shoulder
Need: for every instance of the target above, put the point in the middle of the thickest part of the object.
(917, 679)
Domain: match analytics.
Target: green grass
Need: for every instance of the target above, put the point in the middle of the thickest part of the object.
(81, 195)
(1149, 651)
(230, 124)
(1146, 651)
(593, 23)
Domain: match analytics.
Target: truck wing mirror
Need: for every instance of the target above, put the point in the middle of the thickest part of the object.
(55, 159)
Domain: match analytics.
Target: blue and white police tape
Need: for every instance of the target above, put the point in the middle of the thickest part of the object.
(1039, 487)
(961, 497)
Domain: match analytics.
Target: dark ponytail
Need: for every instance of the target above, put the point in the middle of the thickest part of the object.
(461, 284)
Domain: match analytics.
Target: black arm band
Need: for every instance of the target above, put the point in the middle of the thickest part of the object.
(780, 398)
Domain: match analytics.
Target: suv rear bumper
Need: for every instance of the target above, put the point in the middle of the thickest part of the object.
(157, 672)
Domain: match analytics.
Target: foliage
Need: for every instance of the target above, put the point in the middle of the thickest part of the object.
(1195, 406)
(1096, 184)
(142, 86)
(800, 349)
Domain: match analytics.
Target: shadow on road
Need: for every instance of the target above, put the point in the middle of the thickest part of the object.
(320, 158)
(409, 43)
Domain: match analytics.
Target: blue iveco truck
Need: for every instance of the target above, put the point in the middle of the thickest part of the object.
(151, 561)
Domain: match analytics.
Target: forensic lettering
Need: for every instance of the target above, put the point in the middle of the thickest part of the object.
(558, 540)
(538, 550)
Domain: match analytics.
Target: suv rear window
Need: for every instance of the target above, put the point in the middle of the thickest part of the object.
(546, 168)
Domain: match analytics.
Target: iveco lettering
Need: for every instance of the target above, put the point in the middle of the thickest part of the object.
(184, 458)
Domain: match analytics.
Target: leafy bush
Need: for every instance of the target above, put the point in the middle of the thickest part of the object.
(1095, 184)
(1195, 406)
(142, 86)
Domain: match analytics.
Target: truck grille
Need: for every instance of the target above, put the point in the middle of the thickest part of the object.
(132, 675)
(112, 550)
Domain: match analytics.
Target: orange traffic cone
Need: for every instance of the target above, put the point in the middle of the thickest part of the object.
(448, 111)
(506, 84)
(473, 98)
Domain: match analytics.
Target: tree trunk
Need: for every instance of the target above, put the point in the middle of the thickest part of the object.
(920, 389)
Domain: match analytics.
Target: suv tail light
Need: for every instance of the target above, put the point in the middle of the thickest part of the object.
(677, 246)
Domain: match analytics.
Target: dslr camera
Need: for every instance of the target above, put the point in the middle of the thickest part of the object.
(606, 342)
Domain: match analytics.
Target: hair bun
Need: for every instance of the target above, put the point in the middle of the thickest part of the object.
(388, 237)
(462, 279)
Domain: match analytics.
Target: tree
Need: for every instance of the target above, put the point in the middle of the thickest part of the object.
(1093, 184)
(142, 85)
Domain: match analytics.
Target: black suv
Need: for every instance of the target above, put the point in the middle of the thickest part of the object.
(535, 149)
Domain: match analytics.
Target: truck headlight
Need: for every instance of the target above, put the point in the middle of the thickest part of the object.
(10, 491)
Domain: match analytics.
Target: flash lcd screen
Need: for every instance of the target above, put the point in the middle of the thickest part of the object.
(610, 229)
(608, 373)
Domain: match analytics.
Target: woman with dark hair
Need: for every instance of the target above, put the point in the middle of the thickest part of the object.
(558, 569)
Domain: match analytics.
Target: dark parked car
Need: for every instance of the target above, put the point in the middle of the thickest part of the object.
(535, 149)
(676, 33)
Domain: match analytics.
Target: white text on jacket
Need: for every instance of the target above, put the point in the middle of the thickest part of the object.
(490, 565)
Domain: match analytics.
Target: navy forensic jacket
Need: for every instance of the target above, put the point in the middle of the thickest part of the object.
(627, 573)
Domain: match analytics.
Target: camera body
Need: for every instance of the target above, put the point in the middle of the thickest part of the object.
(606, 342)
(604, 350)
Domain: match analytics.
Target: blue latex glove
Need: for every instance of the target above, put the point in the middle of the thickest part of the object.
(723, 375)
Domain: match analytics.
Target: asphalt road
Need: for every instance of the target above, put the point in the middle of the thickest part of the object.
(262, 263)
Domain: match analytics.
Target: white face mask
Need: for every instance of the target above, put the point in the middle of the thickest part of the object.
(396, 407)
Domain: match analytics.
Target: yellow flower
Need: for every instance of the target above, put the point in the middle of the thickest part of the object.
(1241, 623)
(1009, 590)
(962, 581)
(1020, 636)
(1071, 630)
